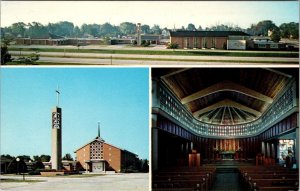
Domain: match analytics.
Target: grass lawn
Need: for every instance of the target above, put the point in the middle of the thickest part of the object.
(4, 180)
(166, 52)
(82, 175)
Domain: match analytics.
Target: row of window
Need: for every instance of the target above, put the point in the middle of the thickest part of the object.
(196, 42)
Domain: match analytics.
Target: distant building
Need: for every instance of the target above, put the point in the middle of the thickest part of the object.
(99, 156)
(153, 39)
(264, 43)
(204, 39)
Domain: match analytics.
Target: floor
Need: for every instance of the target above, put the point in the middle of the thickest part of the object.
(227, 177)
(227, 182)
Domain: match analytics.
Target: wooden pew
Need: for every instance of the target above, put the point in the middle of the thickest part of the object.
(196, 178)
(256, 184)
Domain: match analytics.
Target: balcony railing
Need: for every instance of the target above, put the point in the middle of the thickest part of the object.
(168, 103)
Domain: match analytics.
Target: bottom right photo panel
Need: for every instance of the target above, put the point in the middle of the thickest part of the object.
(225, 129)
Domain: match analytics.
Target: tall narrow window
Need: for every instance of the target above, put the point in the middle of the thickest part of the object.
(195, 42)
(204, 45)
(213, 42)
(186, 42)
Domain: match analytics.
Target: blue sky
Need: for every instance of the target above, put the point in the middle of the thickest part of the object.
(165, 14)
(116, 97)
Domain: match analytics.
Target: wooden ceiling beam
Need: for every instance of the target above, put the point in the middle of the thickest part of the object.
(238, 114)
(174, 72)
(215, 115)
(226, 86)
(228, 103)
(232, 121)
(278, 72)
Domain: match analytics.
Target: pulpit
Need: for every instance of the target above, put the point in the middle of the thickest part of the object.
(194, 159)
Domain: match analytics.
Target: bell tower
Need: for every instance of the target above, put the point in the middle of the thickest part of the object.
(56, 135)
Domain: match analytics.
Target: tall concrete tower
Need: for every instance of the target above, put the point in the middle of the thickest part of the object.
(56, 135)
(139, 37)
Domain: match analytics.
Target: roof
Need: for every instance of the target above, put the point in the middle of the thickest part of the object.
(207, 33)
(150, 37)
(226, 96)
(96, 139)
(100, 139)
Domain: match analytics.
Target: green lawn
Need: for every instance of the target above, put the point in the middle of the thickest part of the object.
(167, 52)
(4, 180)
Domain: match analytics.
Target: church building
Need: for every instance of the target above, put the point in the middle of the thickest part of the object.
(225, 128)
(98, 156)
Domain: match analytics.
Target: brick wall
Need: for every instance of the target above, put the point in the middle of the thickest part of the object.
(113, 156)
(219, 42)
(83, 155)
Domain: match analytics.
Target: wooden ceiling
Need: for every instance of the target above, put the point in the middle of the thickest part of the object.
(226, 96)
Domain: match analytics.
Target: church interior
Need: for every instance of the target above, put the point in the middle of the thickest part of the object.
(225, 129)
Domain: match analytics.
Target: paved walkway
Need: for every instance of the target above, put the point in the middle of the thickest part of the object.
(108, 182)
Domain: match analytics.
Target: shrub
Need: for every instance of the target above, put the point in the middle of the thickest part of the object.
(172, 46)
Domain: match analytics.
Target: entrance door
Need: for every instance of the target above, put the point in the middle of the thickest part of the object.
(98, 166)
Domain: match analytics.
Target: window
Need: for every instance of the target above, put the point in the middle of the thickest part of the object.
(261, 45)
(186, 42)
(213, 42)
(195, 42)
(204, 45)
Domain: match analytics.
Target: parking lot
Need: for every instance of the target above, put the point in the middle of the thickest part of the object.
(106, 182)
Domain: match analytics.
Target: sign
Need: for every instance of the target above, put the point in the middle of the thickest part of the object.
(236, 44)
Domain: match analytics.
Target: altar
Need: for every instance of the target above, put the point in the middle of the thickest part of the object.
(227, 154)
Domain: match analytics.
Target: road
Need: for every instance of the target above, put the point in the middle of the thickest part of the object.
(153, 60)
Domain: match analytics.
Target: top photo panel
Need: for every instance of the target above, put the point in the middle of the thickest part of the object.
(141, 33)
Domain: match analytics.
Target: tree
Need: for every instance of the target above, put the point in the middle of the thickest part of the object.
(5, 56)
(62, 28)
(42, 158)
(191, 27)
(275, 36)
(156, 30)
(77, 32)
(18, 29)
(262, 28)
(68, 157)
(200, 28)
(24, 158)
(145, 29)
(127, 28)
(289, 30)
(37, 30)
(108, 30)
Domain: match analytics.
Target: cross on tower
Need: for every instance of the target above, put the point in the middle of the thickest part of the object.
(58, 93)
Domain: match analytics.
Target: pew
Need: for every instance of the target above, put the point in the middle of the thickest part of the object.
(269, 178)
(183, 178)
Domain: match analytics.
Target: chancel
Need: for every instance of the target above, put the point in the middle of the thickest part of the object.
(225, 128)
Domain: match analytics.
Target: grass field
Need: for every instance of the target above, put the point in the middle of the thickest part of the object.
(167, 52)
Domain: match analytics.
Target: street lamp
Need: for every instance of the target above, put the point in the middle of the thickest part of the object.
(18, 160)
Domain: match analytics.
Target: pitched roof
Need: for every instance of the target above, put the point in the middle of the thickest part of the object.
(207, 33)
(96, 139)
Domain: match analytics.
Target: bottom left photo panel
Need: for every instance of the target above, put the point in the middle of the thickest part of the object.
(74, 128)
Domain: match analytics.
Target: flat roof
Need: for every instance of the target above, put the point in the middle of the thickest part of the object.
(207, 33)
